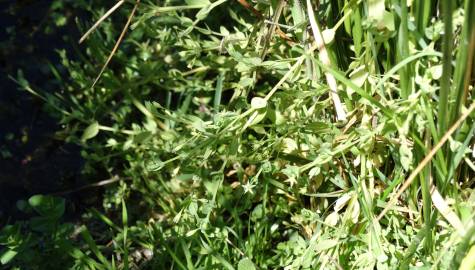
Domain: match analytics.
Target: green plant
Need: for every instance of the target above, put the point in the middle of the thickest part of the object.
(42, 240)
(224, 127)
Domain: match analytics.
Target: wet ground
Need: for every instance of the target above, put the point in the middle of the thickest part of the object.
(32, 160)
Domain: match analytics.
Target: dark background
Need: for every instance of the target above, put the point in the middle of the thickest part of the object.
(32, 160)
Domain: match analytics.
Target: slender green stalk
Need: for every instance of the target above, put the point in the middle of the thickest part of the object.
(403, 42)
(425, 179)
(463, 69)
(422, 11)
(125, 226)
(218, 92)
(462, 73)
(446, 68)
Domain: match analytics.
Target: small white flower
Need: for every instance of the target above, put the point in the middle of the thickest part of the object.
(248, 187)
(292, 181)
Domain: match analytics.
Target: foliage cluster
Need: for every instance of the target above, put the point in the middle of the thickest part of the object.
(220, 120)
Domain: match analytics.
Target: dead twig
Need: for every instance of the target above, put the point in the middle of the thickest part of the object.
(109, 181)
(107, 14)
(426, 160)
(259, 15)
(119, 40)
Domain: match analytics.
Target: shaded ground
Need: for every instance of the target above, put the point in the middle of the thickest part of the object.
(31, 160)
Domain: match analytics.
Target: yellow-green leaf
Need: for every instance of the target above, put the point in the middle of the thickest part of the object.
(258, 103)
(90, 132)
(246, 264)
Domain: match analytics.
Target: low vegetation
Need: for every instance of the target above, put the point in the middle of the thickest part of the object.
(266, 135)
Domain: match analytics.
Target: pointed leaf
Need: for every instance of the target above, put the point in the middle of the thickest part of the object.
(90, 132)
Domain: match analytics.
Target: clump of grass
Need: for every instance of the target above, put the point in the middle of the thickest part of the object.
(255, 143)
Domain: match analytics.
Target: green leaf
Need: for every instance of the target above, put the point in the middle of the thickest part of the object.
(256, 117)
(376, 10)
(90, 132)
(7, 256)
(48, 206)
(125, 219)
(246, 264)
(93, 247)
(43, 224)
(258, 103)
(23, 206)
(468, 262)
(10, 235)
(298, 13)
(142, 137)
(218, 92)
(289, 145)
(125, 232)
(436, 72)
(406, 156)
(328, 36)
(359, 76)
(387, 22)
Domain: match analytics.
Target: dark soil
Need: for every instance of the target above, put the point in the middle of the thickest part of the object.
(32, 161)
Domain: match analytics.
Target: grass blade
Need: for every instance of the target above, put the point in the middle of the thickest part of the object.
(322, 52)
(424, 162)
(446, 68)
